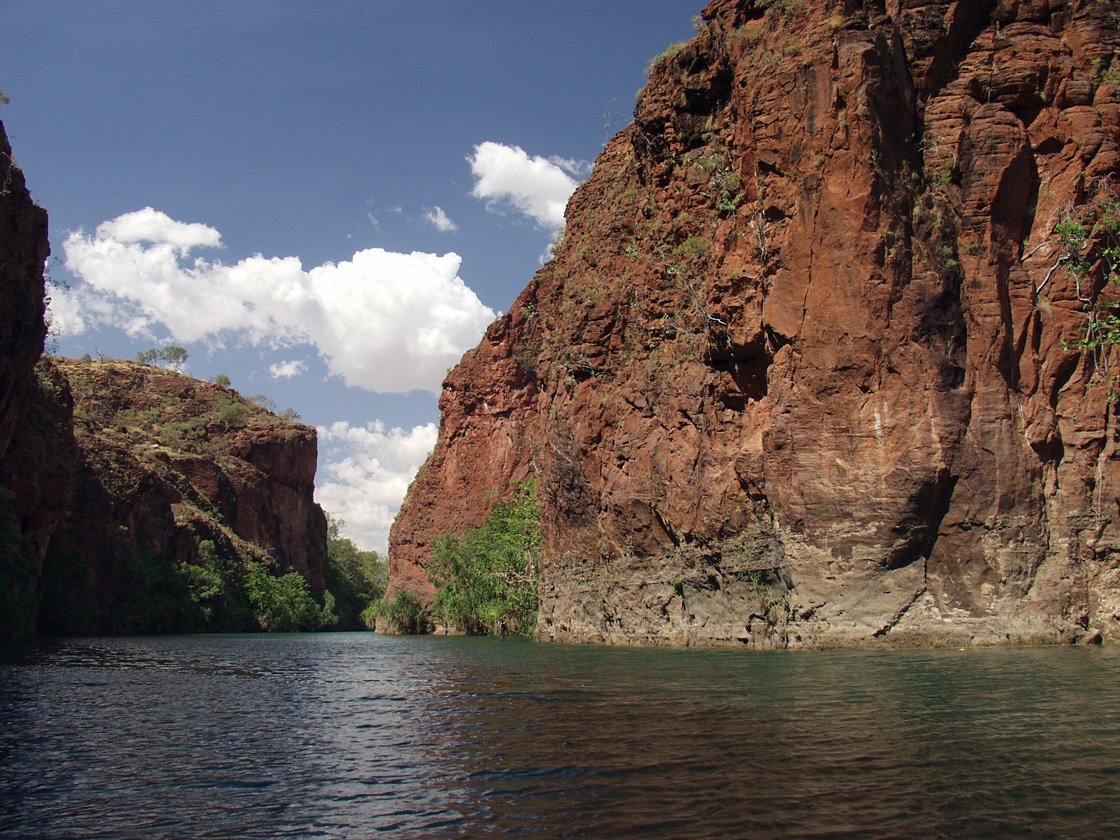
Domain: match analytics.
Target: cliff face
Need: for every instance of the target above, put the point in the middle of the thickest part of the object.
(163, 462)
(23, 250)
(132, 498)
(25, 519)
(809, 367)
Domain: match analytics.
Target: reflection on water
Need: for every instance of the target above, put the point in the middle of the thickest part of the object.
(353, 735)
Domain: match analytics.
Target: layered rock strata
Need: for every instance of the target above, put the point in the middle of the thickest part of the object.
(809, 369)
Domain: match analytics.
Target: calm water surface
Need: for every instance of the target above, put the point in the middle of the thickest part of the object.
(356, 735)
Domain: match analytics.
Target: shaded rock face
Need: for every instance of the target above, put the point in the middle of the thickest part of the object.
(24, 248)
(162, 462)
(806, 370)
(27, 510)
(113, 473)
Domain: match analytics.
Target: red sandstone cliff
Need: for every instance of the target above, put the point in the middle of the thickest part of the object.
(162, 462)
(806, 369)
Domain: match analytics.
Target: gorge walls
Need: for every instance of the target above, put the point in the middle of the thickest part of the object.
(810, 367)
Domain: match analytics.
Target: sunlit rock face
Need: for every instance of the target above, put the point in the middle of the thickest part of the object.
(806, 370)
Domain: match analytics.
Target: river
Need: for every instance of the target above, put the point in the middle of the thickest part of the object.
(354, 735)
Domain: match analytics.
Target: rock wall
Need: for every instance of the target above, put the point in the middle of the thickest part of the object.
(24, 248)
(808, 369)
(26, 514)
(112, 474)
(163, 462)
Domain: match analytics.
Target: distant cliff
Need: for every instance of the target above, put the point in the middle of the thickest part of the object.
(824, 358)
(132, 498)
(163, 464)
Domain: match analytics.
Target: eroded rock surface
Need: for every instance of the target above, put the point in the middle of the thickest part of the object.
(806, 370)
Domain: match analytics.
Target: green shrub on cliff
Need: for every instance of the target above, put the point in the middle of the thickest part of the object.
(208, 580)
(1083, 246)
(486, 579)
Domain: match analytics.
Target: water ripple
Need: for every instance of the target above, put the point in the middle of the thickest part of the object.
(354, 735)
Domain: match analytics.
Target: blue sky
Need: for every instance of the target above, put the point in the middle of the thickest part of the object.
(325, 201)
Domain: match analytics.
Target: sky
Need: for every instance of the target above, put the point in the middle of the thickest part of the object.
(326, 201)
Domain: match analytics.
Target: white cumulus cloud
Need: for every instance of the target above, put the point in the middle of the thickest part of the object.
(440, 221)
(286, 370)
(383, 321)
(534, 186)
(150, 225)
(364, 474)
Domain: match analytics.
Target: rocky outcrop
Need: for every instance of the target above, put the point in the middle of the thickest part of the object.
(164, 462)
(810, 367)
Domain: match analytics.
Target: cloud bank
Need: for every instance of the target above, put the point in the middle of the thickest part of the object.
(364, 474)
(537, 187)
(383, 321)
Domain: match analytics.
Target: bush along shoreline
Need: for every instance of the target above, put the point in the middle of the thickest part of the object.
(485, 579)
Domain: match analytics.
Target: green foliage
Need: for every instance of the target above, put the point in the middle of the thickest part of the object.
(557, 244)
(486, 580)
(1082, 249)
(525, 354)
(4, 98)
(776, 606)
(357, 578)
(775, 9)
(221, 379)
(284, 603)
(213, 589)
(404, 611)
(232, 411)
(672, 50)
(145, 591)
(150, 596)
(693, 246)
(724, 187)
(1108, 75)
